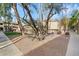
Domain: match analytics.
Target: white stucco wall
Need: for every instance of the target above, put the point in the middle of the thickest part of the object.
(53, 25)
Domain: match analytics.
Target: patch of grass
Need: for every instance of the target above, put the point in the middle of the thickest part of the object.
(12, 35)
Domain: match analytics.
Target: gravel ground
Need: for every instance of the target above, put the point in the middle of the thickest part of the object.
(56, 47)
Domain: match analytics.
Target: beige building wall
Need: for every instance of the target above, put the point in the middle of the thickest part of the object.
(28, 29)
(15, 27)
(53, 25)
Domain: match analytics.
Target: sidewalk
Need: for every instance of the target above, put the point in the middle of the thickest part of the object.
(56, 47)
(26, 45)
(22, 46)
(10, 50)
(73, 46)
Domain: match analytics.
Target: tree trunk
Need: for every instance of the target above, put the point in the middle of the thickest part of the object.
(18, 18)
(38, 35)
(31, 18)
(78, 27)
(48, 18)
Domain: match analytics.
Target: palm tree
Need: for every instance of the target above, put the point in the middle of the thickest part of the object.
(64, 22)
(74, 20)
(5, 13)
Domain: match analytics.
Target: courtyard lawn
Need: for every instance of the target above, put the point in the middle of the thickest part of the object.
(12, 35)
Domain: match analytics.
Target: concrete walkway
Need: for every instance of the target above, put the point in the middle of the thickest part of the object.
(73, 46)
(26, 44)
(10, 50)
(55, 47)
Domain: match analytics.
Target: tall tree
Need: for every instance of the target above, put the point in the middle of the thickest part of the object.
(18, 17)
(25, 6)
(36, 25)
(5, 13)
(64, 22)
(75, 20)
(53, 9)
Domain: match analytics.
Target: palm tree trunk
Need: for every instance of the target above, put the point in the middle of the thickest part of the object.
(78, 27)
(18, 18)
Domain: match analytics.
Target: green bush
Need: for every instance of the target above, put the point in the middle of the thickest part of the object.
(59, 32)
(67, 33)
(12, 33)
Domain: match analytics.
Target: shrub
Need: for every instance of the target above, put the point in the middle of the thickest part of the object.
(67, 33)
(12, 33)
(59, 32)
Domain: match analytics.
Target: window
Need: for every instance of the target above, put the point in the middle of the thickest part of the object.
(1, 29)
(1, 23)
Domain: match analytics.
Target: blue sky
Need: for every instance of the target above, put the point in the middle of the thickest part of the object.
(70, 8)
(33, 11)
